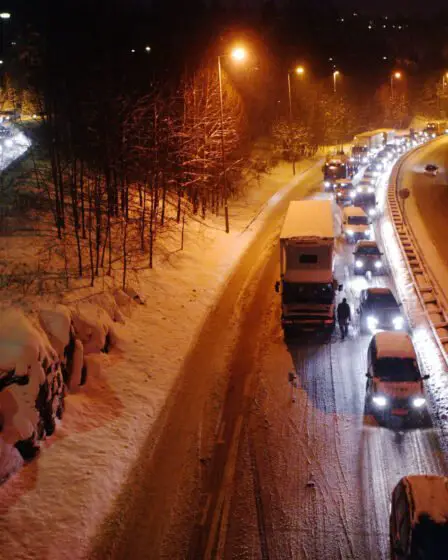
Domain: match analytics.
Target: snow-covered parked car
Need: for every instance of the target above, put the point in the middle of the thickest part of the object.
(394, 382)
(32, 386)
(418, 521)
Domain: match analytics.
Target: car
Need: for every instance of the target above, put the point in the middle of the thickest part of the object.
(344, 191)
(367, 201)
(379, 310)
(365, 186)
(373, 170)
(371, 178)
(431, 169)
(378, 163)
(418, 523)
(394, 382)
(368, 257)
(356, 224)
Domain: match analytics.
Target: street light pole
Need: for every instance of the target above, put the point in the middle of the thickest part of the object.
(335, 75)
(224, 174)
(290, 124)
(237, 54)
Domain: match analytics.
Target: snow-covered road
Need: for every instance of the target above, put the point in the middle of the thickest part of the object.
(239, 471)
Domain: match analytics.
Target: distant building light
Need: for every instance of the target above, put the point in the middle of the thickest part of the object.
(384, 26)
(354, 14)
(13, 43)
(148, 49)
(330, 59)
(399, 27)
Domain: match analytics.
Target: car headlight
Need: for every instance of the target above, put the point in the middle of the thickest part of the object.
(358, 189)
(370, 190)
(372, 322)
(398, 322)
(433, 135)
(378, 166)
(359, 264)
(368, 233)
(375, 173)
(327, 184)
(364, 160)
(418, 402)
(372, 212)
(8, 142)
(338, 194)
(378, 264)
(380, 401)
(353, 195)
(349, 231)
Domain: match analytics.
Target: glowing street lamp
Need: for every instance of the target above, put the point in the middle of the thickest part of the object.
(238, 54)
(336, 73)
(300, 71)
(394, 76)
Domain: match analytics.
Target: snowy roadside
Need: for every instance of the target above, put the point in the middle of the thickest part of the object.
(53, 506)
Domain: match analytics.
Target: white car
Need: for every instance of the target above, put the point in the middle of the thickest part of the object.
(419, 518)
(394, 382)
(356, 224)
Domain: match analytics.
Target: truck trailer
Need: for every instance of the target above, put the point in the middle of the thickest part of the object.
(367, 144)
(307, 284)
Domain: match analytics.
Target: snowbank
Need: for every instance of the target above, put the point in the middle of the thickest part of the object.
(83, 467)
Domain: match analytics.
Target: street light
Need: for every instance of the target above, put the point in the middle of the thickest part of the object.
(238, 54)
(335, 75)
(300, 71)
(394, 76)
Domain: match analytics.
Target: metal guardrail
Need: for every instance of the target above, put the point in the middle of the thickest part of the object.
(425, 283)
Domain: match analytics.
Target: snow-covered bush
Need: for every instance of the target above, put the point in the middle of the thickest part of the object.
(31, 383)
(94, 327)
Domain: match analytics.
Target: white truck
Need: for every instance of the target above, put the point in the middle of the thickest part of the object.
(307, 285)
(367, 144)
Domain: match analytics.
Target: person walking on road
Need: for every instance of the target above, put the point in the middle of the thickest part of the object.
(344, 316)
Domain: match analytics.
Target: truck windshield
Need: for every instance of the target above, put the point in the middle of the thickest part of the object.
(359, 149)
(307, 293)
(358, 220)
(335, 171)
(397, 369)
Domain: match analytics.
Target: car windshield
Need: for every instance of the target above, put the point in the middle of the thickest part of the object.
(303, 293)
(367, 251)
(382, 300)
(358, 221)
(397, 369)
